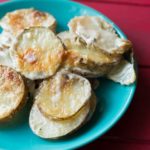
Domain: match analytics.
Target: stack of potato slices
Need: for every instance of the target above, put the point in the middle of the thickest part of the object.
(53, 68)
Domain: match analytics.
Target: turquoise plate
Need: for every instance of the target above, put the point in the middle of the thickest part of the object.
(113, 98)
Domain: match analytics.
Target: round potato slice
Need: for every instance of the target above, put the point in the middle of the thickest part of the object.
(6, 41)
(63, 95)
(98, 33)
(51, 129)
(37, 54)
(12, 92)
(85, 60)
(18, 20)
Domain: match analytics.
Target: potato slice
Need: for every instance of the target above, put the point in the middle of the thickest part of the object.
(93, 103)
(12, 92)
(85, 60)
(18, 20)
(6, 41)
(37, 53)
(63, 95)
(98, 33)
(51, 129)
(123, 73)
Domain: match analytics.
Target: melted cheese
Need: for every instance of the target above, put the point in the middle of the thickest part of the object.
(97, 32)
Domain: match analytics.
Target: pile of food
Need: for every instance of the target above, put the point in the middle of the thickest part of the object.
(53, 69)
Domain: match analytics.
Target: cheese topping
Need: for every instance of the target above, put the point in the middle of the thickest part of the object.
(97, 32)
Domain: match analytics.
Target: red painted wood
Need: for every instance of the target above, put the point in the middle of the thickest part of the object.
(140, 2)
(111, 145)
(134, 21)
(125, 2)
(2, 1)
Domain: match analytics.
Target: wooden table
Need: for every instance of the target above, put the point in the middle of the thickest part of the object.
(132, 132)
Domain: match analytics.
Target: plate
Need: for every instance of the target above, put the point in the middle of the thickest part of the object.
(113, 98)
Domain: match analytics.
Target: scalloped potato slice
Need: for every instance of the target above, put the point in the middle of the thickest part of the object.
(51, 129)
(123, 73)
(85, 60)
(12, 92)
(63, 95)
(86, 64)
(6, 41)
(37, 54)
(18, 20)
(98, 33)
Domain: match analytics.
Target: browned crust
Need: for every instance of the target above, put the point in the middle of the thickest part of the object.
(36, 65)
(16, 19)
(21, 104)
(86, 67)
(126, 47)
(13, 113)
(72, 61)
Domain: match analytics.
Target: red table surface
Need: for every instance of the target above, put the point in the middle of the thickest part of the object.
(132, 132)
